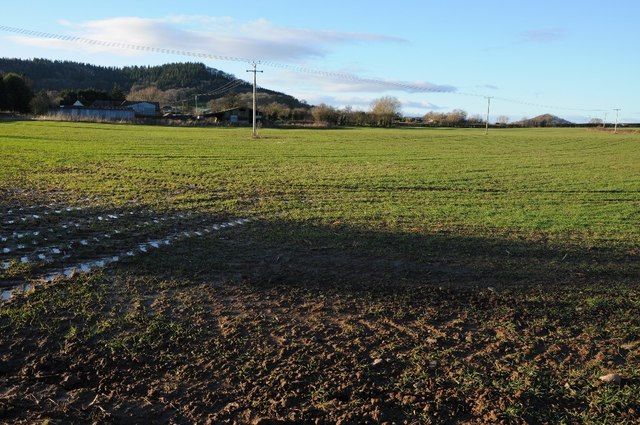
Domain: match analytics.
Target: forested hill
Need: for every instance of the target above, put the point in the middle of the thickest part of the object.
(189, 78)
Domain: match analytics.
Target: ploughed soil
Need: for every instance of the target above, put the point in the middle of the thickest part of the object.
(284, 323)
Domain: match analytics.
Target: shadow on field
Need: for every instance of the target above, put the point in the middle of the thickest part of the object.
(55, 237)
(274, 252)
(284, 322)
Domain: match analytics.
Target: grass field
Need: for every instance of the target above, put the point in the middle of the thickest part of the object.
(357, 275)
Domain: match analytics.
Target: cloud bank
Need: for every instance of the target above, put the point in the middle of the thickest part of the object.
(206, 37)
(257, 40)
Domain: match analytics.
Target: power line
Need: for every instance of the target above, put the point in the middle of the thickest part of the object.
(411, 87)
(225, 88)
(118, 45)
(345, 76)
(220, 90)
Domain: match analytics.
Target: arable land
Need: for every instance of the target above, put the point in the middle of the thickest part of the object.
(194, 275)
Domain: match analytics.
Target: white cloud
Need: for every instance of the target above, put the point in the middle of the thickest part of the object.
(366, 85)
(428, 106)
(286, 49)
(70, 46)
(356, 102)
(257, 40)
(487, 86)
(548, 35)
(337, 82)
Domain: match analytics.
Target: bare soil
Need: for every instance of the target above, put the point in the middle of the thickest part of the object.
(275, 323)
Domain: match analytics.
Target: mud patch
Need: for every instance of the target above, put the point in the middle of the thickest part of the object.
(226, 352)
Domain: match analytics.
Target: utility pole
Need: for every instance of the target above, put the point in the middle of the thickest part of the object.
(197, 106)
(604, 123)
(486, 128)
(255, 72)
(615, 128)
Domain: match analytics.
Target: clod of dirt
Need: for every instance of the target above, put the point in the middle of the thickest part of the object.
(612, 378)
(376, 362)
(70, 382)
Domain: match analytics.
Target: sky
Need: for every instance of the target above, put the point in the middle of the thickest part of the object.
(575, 59)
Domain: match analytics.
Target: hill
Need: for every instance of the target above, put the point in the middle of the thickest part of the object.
(187, 78)
(545, 120)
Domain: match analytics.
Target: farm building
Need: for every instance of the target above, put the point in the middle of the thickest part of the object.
(112, 110)
(98, 111)
(234, 116)
(143, 108)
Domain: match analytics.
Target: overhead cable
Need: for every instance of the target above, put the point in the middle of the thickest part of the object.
(406, 86)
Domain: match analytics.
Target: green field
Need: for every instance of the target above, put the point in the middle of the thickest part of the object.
(522, 182)
(386, 274)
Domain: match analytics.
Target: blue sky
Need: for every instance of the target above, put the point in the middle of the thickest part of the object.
(575, 59)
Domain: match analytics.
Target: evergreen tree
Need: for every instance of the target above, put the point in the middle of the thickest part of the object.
(19, 93)
(116, 93)
(3, 94)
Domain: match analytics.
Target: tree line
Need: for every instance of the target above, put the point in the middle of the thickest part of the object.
(46, 74)
(386, 112)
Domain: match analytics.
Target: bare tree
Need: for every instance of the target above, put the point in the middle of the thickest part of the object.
(149, 94)
(299, 114)
(44, 101)
(276, 111)
(502, 120)
(360, 118)
(324, 114)
(386, 110)
(475, 119)
(231, 100)
(456, 117)
(434, 118)
(453, 118)
(174, 96)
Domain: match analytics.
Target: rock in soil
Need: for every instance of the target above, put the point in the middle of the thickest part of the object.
(612, 378)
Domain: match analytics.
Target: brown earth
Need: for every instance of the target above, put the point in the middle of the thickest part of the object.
(252, 327)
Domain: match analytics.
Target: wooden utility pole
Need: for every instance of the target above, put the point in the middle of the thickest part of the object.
(486, 128)
(615, 127)
(255, 72)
